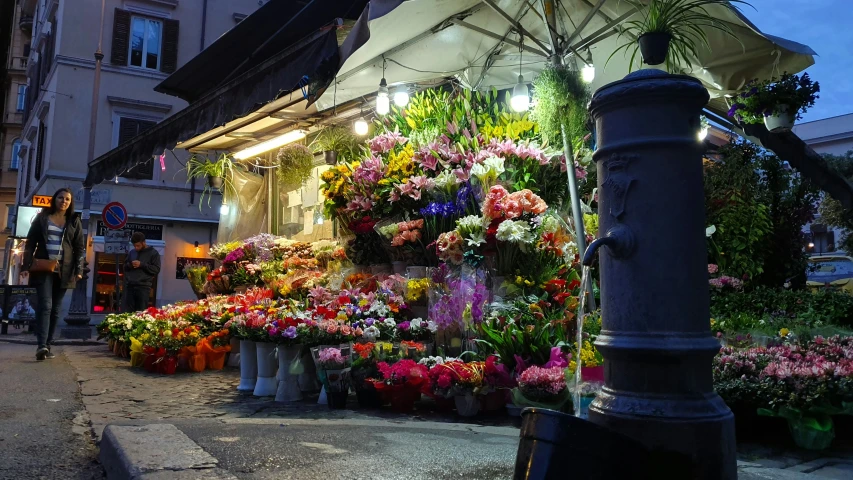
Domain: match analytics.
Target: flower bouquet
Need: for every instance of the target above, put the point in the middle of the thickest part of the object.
(334, 370)
(544, 388)
(401, 384)
(365, 360)
(462, 381)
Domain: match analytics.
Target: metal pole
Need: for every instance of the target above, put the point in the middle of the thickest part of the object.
(78, 313)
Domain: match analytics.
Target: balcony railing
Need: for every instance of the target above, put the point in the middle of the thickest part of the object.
(18, 63)
(14, 118)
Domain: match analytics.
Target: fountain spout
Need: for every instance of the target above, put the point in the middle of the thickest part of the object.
(618, 240)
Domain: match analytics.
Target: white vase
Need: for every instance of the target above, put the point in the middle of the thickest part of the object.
(308, 382)
(288, 384)
(248, 366)
(267, 384)
(782, 121)
(234, 356)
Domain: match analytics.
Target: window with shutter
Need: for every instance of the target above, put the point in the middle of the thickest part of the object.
(128, 128)
(169, 63)
(29, 170)
(121, 37)
(16, 151)
(40, 152)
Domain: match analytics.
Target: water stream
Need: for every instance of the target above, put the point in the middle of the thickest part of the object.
(586, 288)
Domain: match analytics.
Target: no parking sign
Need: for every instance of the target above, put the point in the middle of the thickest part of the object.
(114, 216)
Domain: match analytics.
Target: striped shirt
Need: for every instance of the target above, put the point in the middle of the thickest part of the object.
(54, 241)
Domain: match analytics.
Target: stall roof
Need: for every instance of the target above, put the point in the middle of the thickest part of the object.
(252, 41)
(316, 57)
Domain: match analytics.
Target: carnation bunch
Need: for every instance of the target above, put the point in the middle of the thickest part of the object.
(542, 384)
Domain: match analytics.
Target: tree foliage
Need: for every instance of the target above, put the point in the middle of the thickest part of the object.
(758, 206)
(831, 211)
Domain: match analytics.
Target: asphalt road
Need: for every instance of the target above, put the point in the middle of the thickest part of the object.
(39, 402)
(352, 450)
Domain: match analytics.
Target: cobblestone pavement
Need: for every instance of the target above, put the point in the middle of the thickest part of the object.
(114, 392)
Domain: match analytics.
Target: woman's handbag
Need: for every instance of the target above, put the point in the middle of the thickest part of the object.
(42, 265)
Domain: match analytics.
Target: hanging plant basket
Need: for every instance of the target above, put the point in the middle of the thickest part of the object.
(654, 47)
(215, 182)
(331, 157)
(780, 121)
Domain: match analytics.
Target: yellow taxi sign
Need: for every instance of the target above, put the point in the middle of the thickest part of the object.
(42, 201)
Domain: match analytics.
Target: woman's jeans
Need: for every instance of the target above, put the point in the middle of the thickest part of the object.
(50, 295)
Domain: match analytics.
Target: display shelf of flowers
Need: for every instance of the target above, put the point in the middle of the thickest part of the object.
(468, 199)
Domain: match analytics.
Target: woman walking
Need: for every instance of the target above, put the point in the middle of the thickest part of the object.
(54, 258)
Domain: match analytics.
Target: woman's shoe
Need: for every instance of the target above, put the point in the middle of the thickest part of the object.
(41, 353)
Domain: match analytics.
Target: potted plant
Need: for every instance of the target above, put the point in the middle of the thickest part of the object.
(560, 99)
(335, 143)
(776, 102)
(671, 31)
(543, 387)
(217, 175)
(295, 163)
(462, 381)
(401, 384)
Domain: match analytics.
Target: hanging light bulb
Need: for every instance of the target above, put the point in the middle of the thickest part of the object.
(197, 248)
(383, 103)
(520, 100)
(401, 96)
(588, 73)
(703, 133)
(223, 210)
(360, 126)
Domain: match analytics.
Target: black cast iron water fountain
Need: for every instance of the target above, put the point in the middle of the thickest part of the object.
(657, 415)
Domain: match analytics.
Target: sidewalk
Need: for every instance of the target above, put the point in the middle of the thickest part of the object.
(208, 409)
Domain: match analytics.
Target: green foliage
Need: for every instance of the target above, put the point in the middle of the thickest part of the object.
(814, 309)
(560, 99)
(337, 139)
(685, 21)
(759, 208)
(831, 211)
(759, 99)
(295, 163)
(200, 167)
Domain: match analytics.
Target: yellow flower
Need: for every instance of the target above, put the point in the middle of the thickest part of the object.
(167, 333)
(784, 332)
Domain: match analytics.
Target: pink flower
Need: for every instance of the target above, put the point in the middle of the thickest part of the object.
(712, 269)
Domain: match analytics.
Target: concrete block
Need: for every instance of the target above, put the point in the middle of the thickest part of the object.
(129, 452)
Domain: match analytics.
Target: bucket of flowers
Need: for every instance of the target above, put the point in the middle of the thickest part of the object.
(464, 382)
(336, 376)
(401, 384)
(365, 358)
(543, 387)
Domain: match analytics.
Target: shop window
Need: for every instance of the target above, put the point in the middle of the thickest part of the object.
(22, 98)
(144, 42)
(127, 129)
(104, 298)
(10, 216)
(16, 151)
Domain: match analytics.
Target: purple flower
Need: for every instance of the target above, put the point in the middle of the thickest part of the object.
(290, 332)
(404, 326)
(370, 321)
(734, 109)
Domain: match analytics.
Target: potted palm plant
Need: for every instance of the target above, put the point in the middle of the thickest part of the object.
(335, 143)
(671, 31)
(217, 174)
(776, 102)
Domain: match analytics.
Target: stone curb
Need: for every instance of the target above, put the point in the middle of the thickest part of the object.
(153, 452)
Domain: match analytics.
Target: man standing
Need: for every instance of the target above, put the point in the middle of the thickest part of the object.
(140, 268)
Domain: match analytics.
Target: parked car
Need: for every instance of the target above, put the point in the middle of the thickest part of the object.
(830, 271)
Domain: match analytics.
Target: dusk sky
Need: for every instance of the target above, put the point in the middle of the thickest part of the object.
(827, 27)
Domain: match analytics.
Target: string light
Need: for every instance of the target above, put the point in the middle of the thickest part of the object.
(276, 142)
(520, 100)
(360, 126)
(383, 103)
(197, 249)
(401, 96)
(588, 73)
(703, 134)
(224, 210)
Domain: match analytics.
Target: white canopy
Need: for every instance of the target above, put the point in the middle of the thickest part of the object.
(477, 42)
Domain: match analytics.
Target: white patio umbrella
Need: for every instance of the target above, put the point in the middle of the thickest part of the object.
(488, 43)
